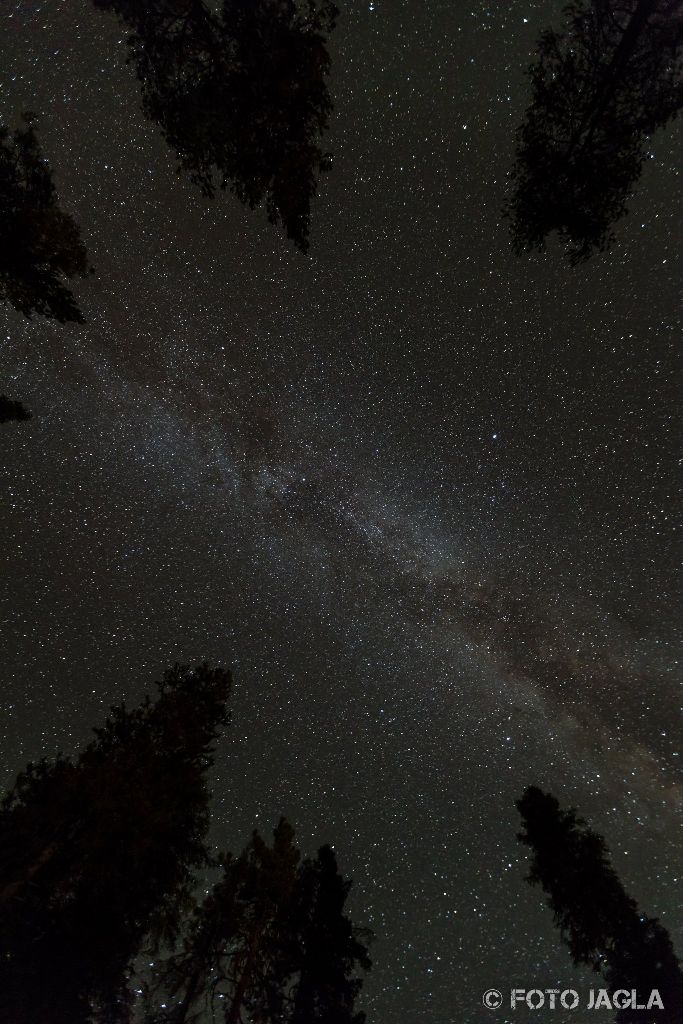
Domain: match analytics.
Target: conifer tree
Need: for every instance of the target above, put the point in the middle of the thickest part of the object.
(12, 410)
(600, 923)
(99, 854)
(40, 245)
(270, 944)
(240, 94)
(599, 88)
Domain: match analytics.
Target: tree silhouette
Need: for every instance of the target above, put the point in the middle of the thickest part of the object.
(270, 943)
(329, 948)
(10, 410)
(240, 95)
(98, 855)
(598, 920)
(40, 245)
(599, 88)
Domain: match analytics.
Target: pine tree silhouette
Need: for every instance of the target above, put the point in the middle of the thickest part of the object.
(10, 410)
(240, 95)
(599, 89)
(99, 855)
(600, 923)
(270, 943)
(40, 245)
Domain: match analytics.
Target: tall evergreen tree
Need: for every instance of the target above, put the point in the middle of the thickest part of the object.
(240, 95)
(98, 854)
(600, 923)
(599, 88)
(329, 949)
(11, 410)
(40, 245)
(270, 943)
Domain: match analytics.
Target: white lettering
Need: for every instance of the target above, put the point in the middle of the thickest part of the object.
(621, 1000)
(535, 992)
(516, 996)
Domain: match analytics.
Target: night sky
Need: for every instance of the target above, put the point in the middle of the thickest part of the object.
(417, 493)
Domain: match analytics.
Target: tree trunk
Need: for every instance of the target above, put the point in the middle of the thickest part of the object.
(233, 1014)
(620, 58)
(610, 76)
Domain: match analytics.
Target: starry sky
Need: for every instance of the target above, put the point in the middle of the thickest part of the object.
(417, 493)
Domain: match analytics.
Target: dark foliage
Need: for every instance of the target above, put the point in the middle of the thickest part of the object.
(270, 943)
(598, 920)
(599, 89)
(40, 245)
(98, 855)
(240, 96)
(329, 948)
(10, 410)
